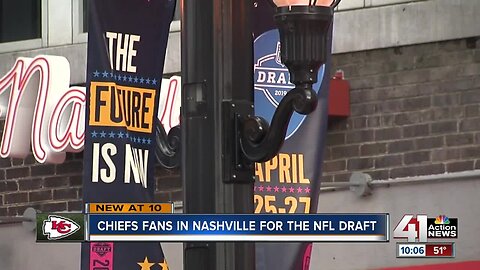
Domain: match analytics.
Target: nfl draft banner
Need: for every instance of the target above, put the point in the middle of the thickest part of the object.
(126, 53)
(290, 182)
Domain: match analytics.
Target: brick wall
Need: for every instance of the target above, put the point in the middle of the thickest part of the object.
(414, 111)
(47, 187)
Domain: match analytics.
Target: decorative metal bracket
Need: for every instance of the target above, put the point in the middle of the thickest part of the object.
(167, 151)
(261, 142)
(239, 169)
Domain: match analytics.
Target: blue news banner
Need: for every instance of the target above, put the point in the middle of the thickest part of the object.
(238, 227)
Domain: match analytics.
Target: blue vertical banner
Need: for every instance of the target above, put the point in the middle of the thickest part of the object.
(127, 42)
(290, 182)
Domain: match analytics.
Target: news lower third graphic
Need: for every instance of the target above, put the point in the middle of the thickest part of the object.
(237, 227)
(419, 230)
(156, 222)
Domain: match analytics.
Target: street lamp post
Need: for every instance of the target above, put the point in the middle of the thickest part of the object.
(220, 137)
(217, 68)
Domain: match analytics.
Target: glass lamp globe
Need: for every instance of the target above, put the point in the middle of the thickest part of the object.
(284, 3)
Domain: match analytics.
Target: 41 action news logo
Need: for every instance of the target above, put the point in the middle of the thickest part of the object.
(422, 228)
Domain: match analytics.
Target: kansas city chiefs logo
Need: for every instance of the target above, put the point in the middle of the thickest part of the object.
(57, 227)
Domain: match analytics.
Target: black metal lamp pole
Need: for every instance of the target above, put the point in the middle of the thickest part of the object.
(217, 75)
(220, 137)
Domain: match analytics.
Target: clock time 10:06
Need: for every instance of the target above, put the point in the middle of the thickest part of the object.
(411, 250)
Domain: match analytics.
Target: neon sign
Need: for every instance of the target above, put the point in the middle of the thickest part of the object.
(40, 107)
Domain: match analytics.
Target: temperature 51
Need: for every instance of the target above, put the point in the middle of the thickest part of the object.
(439, 250)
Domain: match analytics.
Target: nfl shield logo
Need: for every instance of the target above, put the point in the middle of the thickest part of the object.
(102, 248)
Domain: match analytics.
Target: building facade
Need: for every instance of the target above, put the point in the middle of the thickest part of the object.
(414, 74)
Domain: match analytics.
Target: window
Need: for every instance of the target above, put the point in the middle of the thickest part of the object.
(20, 20)
(175, 26)
(85, 16)
(80, 20)
(176, 15)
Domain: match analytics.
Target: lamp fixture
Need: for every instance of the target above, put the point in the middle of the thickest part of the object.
(303, 26)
